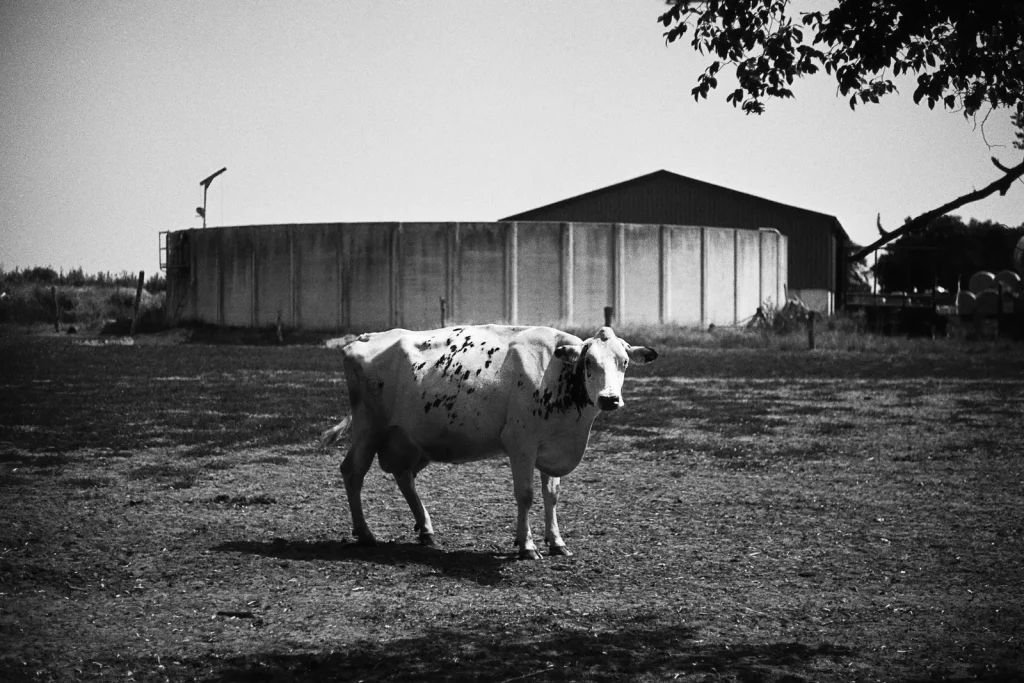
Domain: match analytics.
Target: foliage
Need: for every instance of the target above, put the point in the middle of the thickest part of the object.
(947, 251)
(156, 283)
(964, 54)
(89, 307)
(77, 277)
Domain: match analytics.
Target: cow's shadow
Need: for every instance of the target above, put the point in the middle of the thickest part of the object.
(480, 567)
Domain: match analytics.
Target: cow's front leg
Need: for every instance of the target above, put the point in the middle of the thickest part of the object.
(549, 486)
(522, 486)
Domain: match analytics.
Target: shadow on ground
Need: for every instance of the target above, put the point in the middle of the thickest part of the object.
(483, 568)
(557, 655)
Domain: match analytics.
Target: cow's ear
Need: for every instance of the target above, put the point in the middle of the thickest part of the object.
(569, 353)
(640, 354)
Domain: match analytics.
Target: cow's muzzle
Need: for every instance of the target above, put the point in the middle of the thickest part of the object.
(609, 402)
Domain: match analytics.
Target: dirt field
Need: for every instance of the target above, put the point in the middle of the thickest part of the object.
(748, 516)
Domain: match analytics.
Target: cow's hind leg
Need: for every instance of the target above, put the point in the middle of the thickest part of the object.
(353, 470)
(556, 546)
(407, 484)
(402, 457)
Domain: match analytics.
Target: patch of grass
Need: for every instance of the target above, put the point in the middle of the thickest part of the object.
(49, 460)
(243, 501)
(835, 427)
(272, 460)
(218, 465)
(12, 479)
(169, 475)
(13, 456)
(88, 482)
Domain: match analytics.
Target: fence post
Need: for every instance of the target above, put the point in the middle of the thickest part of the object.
(138, 299)
(56, 309)
(609, 311)
(810, 330)
(444, 311)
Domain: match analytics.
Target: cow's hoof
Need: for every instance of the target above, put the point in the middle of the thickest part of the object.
(554, 550)
(426, 539)
(529, 554)
(367, 540)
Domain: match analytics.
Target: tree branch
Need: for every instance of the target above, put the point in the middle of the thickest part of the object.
(1002, 185)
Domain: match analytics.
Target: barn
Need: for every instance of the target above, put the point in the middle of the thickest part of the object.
(373, 276)
(817, 241)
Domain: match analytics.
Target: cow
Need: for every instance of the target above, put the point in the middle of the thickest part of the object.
(462, 394)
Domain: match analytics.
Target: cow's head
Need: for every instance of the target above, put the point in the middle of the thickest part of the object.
(600, 366)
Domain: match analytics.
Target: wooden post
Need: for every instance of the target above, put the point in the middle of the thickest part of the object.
(810, 330)
(609, 312)
(56, 309)
(138, 300)
(444, 311)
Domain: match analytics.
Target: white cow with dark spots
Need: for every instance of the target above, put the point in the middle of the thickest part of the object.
(468, 393)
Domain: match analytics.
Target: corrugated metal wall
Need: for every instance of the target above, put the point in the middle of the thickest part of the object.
(372, 276)
(664, 197)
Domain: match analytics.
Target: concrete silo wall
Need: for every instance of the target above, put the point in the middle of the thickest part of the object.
(372, 276)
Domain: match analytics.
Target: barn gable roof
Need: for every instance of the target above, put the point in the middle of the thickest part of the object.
(684, 184)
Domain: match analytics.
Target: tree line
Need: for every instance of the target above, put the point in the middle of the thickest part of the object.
(945, 253)
(77, 277)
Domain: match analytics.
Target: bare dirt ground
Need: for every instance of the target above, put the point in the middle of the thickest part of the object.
(748, 516)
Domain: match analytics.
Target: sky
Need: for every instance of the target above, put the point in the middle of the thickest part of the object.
(112, 112)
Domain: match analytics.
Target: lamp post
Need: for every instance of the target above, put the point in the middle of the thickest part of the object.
(205, 182)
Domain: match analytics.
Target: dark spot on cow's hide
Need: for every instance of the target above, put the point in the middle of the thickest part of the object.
(487, 364)
(570, 390)
(478, 371)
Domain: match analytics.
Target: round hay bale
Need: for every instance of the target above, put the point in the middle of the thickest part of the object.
(966, 302)
(1009, 280)
(988, 303)
(1018, 256)
(981, 281)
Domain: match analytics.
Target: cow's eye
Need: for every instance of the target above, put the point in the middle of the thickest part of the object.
(625, 364)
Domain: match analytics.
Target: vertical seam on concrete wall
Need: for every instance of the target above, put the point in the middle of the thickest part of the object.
(220, 282)
(453, 273)
(394, 315)
(338, 292)
(703, 277)
(665, 276)
(619, 275)
(760, 267)
(512, 271)
(291, 276)
(253, 313)
(568, 268)
(735, 276)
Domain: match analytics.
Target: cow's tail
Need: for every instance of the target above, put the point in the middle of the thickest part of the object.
(334, 434)
(342, 342)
